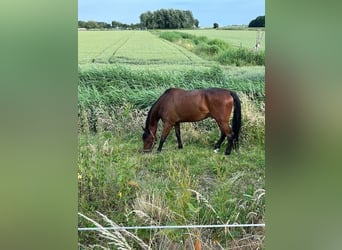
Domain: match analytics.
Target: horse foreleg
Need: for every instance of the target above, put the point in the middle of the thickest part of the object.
(178, 135)
(166, 130)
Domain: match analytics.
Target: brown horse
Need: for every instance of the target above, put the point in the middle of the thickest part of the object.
(179, 105)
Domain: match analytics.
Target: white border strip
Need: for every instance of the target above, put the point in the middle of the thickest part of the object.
(169, 227)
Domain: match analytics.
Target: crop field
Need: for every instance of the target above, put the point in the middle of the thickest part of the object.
(121, 74)
(136, 47)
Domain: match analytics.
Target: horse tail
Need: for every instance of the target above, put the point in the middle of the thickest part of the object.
(236, 123)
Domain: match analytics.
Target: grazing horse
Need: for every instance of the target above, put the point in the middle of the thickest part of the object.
(178, 105)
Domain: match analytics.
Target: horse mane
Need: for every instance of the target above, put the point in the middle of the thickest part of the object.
(148, 119)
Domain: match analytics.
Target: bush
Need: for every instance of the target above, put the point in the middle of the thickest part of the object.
(219, 43)
(171, 36)
(206, 50)
(200, 39)
(241, 57)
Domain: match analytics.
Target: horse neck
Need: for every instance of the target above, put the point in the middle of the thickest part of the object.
(153, 118)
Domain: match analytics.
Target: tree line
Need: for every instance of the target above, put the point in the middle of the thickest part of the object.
(93, 25)
(159, 19)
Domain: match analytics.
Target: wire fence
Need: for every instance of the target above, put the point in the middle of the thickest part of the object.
(169, 227)
(121, 236)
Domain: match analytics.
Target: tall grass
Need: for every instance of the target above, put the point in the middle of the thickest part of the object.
(118, 185)
(115, 85)
(215, 49)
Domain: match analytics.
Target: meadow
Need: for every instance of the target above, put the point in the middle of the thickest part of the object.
(121, 74)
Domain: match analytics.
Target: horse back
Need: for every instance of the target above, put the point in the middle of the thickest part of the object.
(196, 97)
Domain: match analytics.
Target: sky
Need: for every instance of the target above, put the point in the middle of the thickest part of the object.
(223, 12)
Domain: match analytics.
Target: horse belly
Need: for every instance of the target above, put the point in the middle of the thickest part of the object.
(193, 114)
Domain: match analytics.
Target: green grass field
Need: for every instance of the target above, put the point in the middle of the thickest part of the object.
(135, 47)
(121, 74)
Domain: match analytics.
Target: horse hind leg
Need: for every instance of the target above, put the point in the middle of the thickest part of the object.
(225, 132)
(230, 144)
(178, 135)
(219, 142)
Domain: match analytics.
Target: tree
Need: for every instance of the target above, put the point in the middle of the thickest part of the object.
(91, 25)
(147, 20)
(257, 22)
(168, 19)
(196, 23)
(82, 24)
(103, 25)
(215, 25)
(190, 21)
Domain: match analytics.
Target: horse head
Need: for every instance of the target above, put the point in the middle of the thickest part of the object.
(149, 140)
